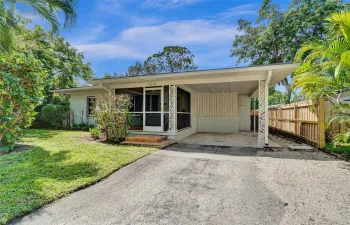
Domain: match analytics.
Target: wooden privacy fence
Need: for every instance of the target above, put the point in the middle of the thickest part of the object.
(302, 120)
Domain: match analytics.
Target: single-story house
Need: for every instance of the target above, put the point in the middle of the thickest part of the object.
(183, 103)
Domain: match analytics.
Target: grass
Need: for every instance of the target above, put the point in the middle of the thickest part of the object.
(342, 149)
(52, 164)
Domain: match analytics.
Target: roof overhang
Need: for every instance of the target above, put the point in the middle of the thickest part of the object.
(77, 89)
(239, 74)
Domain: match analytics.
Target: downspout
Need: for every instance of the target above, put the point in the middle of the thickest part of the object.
(107, 89)
(269, 75)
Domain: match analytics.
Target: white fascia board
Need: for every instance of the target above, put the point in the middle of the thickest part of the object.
(202, 80)
(78, 89)
(192, 74)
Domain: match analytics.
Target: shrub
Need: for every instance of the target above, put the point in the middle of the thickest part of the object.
(55, 115)
(341, 139)
(111, 114)
(21, 82)
(95, 133)
(82, 126)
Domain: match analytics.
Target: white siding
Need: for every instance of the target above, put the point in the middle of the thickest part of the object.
(244, 114)
(217, 112)
(79, 105)
(217, 104)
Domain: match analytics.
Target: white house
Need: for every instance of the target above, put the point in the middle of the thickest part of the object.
(180, 104)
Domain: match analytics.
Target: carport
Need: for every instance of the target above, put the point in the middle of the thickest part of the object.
(241, 139)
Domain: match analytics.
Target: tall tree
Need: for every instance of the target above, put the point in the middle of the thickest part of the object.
(171, 59)
(137, 69)
(47, 9)
(277, 35)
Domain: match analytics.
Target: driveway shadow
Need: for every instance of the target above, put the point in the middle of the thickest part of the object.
(248, 151)
(213, 149)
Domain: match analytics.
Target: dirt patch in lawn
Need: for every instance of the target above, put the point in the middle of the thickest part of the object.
(17, 148)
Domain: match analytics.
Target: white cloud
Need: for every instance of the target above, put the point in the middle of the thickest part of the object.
(139, 42)
(248, 9)
(168, 4)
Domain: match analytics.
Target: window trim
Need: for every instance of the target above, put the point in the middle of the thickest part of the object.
(88, 109)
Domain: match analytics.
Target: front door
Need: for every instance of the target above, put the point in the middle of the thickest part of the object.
(153, 113)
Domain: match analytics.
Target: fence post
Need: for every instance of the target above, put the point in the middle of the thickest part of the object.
(321, 123)
(295, 118)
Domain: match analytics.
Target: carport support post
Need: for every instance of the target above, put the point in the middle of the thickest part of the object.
(263, 132)
(267, 83)
(254, 116)
(262, 108)
(172, 109)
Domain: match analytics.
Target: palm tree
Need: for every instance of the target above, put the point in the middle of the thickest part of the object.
(47, 9)
(325, 65)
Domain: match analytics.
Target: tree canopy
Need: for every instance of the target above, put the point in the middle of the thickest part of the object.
(64, 64)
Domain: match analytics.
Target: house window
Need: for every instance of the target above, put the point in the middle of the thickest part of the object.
(183, 109)
(90, 101)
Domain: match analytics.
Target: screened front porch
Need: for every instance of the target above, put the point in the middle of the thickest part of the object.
(150, 108)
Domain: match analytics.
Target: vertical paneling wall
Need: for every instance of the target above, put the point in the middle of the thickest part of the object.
(217, 104)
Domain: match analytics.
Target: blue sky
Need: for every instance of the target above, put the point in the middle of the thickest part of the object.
(113, 34)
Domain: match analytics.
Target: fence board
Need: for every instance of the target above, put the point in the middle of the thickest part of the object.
(299, 119)
(305, 120)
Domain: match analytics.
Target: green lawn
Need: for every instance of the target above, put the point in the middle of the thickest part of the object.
(344, 149)
(53, 164)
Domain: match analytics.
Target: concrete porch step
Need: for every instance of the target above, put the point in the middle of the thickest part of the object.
(146, 138)
(161, 144)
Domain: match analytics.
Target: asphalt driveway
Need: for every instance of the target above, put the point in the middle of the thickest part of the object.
(189, 184)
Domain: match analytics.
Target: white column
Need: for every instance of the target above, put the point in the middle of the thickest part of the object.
(173, 109)
(262, 117)
(267, 83)
(254, 121)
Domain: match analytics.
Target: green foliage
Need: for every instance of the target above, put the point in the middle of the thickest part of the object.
(95, 133)
(111, 114)
(55, 115)
(21, 81)
(171, 59)
(323, 71)
(276, 97)
(278, 34)
(49, 10)
(341, 139)
(64, 64)
(342, 149)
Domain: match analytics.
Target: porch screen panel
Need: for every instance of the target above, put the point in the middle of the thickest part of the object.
(136, 109)
(183, 109)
